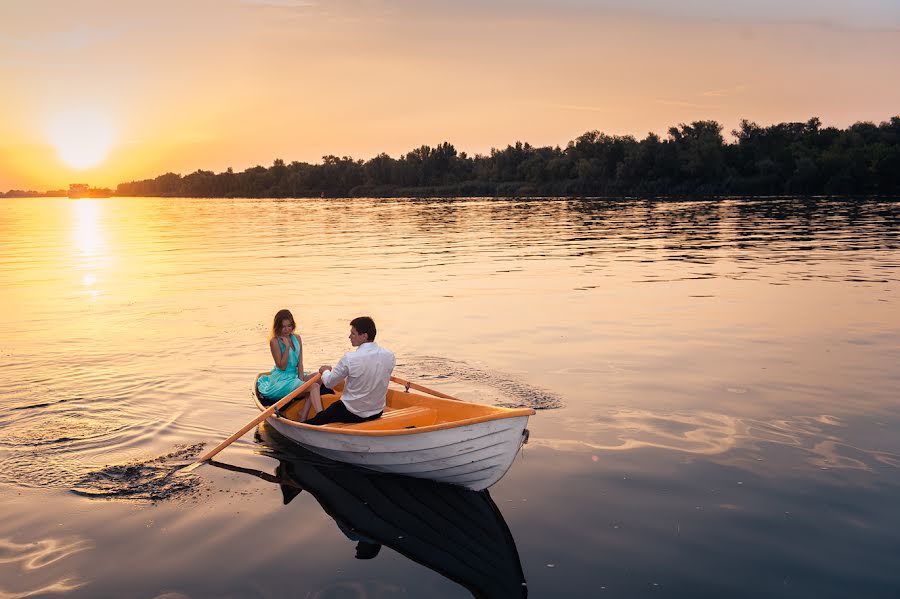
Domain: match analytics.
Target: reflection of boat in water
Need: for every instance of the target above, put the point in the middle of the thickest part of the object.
(83, 190)
(446, 440)
(454, 531)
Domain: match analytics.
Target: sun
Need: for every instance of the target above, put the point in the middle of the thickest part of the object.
(82, 139)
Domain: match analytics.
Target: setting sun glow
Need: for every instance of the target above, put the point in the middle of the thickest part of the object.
(100, 99)
(82, 140)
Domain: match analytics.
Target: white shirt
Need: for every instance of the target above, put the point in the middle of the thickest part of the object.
(368, 373)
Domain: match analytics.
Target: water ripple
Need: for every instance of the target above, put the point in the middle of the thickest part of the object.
(24, 558)
(817, 440)
(153, 480)
(502, 390)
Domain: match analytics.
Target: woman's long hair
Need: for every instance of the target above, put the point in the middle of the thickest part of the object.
(276, 324)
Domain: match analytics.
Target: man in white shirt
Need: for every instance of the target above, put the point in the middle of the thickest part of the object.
(368, 373)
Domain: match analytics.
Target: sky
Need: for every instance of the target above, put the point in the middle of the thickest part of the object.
(104, 92)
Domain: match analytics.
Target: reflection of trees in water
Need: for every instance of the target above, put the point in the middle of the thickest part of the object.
(738, 230)
(454, 531)
(598, 232)
(484, 237)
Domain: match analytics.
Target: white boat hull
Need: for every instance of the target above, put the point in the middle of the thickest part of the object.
(474, 455)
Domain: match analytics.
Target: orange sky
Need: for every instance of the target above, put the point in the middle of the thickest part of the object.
(106, 92)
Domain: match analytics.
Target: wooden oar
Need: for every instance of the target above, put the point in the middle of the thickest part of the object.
(262, 416)
(421, 388)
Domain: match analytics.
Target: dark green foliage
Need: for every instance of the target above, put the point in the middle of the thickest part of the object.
(21, 193)
(694, 159)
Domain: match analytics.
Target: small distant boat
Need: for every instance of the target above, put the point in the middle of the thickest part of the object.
(446, 440)
(83, 190)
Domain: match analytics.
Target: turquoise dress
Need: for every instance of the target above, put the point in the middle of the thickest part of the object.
(278, 383)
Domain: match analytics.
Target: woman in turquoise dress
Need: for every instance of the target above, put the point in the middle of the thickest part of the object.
(287, 375)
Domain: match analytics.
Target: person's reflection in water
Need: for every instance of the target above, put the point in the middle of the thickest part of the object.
(366, 548)
(288, 492)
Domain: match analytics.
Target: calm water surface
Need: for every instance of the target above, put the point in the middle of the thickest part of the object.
(717, 383)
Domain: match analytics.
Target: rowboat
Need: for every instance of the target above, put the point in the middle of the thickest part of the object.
(456, 532)
(445, 440)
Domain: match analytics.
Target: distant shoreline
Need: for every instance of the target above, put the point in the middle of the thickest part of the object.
(533, 198)
(18, 193)
(796, 159)
(788, 159)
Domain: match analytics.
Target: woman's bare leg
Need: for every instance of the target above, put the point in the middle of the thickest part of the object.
(314, 399)
(304, 413)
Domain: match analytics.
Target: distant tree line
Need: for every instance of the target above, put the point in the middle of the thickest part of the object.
(21, 193)
(787, 158)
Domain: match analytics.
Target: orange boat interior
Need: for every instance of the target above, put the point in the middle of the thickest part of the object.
(406, 410)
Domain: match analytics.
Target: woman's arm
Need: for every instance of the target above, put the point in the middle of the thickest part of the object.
(300, 358)
(281, 357)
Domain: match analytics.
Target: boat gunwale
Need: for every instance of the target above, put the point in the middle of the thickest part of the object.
(499, 414)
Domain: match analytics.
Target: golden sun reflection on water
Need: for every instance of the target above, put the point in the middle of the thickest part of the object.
(86, 230)
(90, 246)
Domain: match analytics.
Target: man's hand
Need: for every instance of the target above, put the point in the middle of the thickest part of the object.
(323, 368)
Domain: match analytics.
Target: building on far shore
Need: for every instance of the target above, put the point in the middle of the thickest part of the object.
(83, 190)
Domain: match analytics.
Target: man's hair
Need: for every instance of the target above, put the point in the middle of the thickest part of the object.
(366, 550)
(364, 324)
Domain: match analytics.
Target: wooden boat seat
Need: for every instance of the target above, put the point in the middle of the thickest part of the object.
(392, 419)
